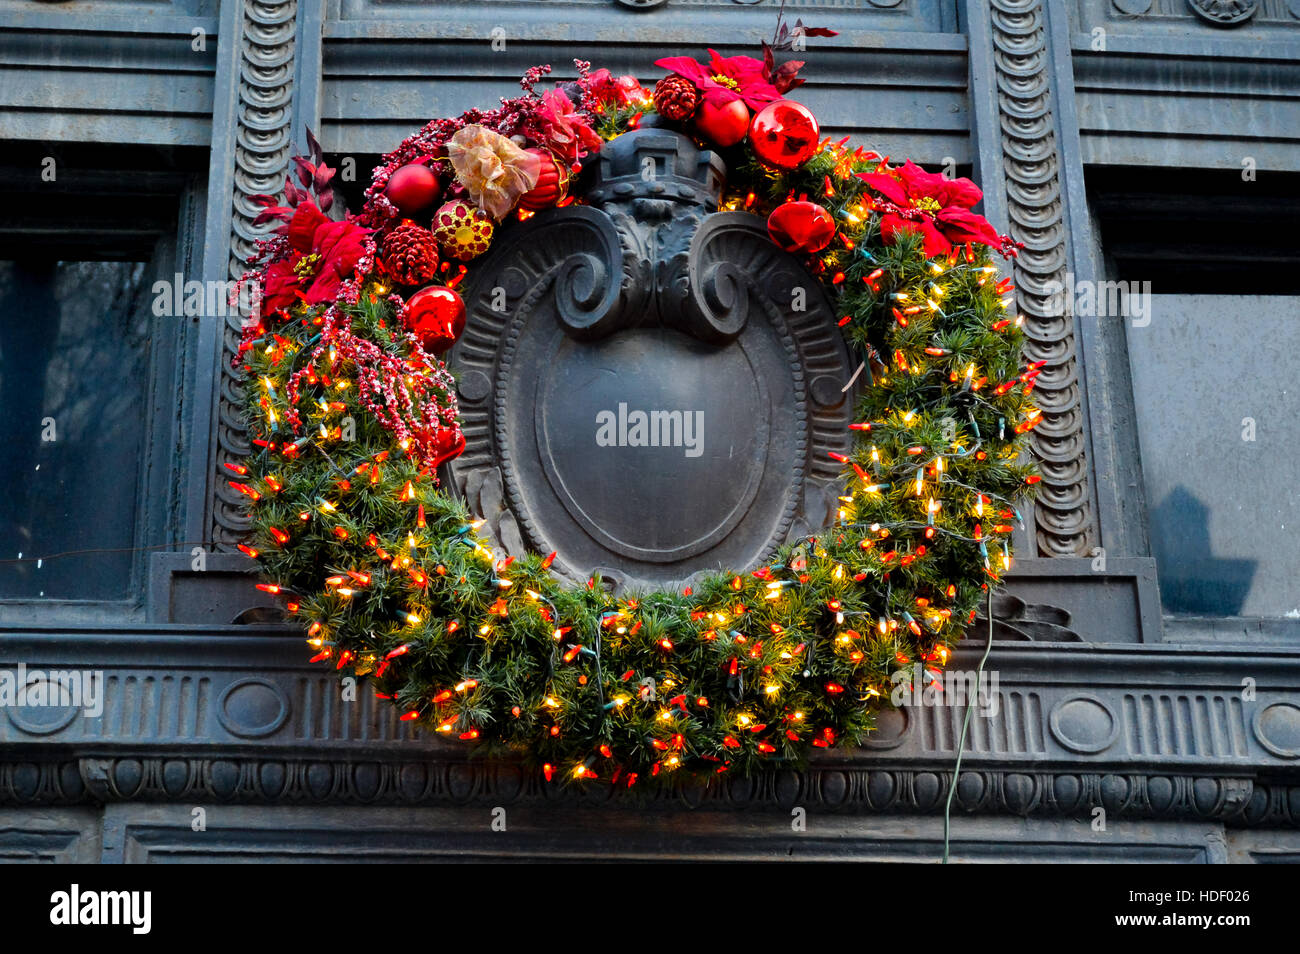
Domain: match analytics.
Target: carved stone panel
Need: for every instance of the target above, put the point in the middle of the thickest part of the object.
(650, 386)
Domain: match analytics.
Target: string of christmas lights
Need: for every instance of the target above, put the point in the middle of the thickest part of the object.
(391, 580)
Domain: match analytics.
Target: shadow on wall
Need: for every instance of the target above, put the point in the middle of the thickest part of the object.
(1192, 580)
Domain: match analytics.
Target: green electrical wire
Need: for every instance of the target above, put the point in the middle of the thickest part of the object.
(961, 743)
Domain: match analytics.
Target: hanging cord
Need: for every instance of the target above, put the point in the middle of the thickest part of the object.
(965, 724)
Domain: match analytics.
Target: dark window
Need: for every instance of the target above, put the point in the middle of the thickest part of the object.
(74, 384)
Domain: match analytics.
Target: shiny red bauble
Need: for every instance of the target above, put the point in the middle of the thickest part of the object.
(723, 125)
(448, 443)
(801, 227)
(552, 184)
(784, 134)
(436, 316)
(413, 188)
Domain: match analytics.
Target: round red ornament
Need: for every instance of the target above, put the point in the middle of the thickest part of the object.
(447, 443)
(801, 227)
(629, 89)
(463, 231)
(436, 316)
(413, 188)
(552, 184)
(723, 125)
(784, 134)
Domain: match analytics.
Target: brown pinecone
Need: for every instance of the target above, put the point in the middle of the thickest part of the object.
(676, 98)
(411, 254)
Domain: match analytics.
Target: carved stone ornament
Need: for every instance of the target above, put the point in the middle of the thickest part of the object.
(649, 386)
(1063, 515)
(263, 145)
(1224, 12)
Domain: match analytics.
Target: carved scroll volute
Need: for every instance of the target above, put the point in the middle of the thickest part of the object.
(579, 254)
(593, 290)
(647, 301)
(728, 253)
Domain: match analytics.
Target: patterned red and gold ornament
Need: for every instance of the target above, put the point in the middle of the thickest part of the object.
(801, 227)
(436, 316)
(676, 98)
(410, 254)
(413, 188)
(784, 134)
(463, 231)
(552, 183)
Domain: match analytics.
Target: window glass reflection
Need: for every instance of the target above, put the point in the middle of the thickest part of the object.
(74, 360)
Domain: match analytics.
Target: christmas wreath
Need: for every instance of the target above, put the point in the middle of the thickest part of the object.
(351, 412)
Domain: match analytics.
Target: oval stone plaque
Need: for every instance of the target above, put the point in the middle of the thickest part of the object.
(664, 381)
(694, 447)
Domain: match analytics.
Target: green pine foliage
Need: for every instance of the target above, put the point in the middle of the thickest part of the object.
(749, 668)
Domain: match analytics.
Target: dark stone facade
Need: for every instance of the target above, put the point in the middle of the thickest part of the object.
(1182, 736)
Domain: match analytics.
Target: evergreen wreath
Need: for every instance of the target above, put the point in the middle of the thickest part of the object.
(351, 412)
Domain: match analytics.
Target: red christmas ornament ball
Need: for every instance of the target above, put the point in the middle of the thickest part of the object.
(436, 316)
(801, 227)
(784, 134)
(551, 186)
(449, 445)
(413, 188)
(723, 125)
(444, 444)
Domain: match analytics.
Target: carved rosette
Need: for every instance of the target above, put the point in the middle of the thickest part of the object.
(647, 300)
(1224, 12)
(1034, 206)
(263, 144)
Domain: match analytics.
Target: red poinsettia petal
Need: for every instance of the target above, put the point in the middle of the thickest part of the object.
(887, 186)
(340, 245)
(747, 73)
(302, 227)
(922, 184)
(279, 287)
(335, 242)
(758, 95)
(936, 243)
(740, 68)
(324, 288)
(589, 140)
(959, 192)
(961, 225)
(719, 96)
(686, 67)
(892, 225)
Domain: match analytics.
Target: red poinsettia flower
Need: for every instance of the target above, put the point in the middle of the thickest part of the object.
(938, 208)
(325, 253)
(725, 79)
(557, 125)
